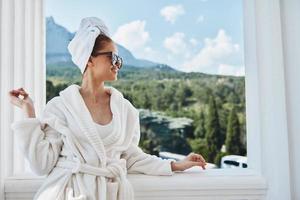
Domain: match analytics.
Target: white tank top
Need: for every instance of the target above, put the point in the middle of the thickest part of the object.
(105, 130)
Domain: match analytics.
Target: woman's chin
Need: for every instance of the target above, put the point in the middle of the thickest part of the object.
(114, 78)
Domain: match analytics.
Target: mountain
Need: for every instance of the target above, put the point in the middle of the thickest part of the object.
(57, 54)
(57, 39)
(129, 59)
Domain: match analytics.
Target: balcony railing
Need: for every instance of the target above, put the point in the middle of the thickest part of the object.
(191, 184)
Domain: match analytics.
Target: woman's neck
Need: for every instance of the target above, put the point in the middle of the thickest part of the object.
(93, 90)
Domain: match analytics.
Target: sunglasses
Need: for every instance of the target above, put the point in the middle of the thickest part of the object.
(116, 60)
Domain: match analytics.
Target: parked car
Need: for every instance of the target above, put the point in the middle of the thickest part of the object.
(234, 161)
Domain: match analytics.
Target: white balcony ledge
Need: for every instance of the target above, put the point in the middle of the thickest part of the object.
(192, 184)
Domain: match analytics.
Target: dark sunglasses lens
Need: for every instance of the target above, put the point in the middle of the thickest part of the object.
(117, 61)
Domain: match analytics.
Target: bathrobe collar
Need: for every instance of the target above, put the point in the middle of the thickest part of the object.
(76, 106)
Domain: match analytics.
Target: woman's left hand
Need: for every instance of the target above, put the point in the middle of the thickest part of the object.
(189, 161)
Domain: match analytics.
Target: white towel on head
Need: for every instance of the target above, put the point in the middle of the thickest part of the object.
(82, 44)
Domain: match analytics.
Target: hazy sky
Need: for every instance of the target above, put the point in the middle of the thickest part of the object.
(191, 35)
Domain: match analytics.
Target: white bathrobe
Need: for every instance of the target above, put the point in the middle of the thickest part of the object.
(64, 144)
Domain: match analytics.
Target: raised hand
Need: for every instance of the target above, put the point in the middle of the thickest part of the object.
(25, 103)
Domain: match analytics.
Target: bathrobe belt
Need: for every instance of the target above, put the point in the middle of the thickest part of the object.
(116, 168)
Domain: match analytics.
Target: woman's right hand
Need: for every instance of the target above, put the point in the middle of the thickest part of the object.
(25, 103)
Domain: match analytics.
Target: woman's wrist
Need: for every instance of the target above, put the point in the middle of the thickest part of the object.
(174, 166)
(29, 111)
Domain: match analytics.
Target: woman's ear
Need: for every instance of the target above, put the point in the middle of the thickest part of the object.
(90, 62)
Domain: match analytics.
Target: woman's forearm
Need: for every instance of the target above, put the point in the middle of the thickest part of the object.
(29, 111)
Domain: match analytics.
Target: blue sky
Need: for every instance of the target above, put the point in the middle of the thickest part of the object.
(191, 35)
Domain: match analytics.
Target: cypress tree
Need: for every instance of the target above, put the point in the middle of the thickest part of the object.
(213, 131)
(200, 130)
(233, 136)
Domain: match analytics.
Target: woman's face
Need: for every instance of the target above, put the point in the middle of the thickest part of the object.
(101, 65)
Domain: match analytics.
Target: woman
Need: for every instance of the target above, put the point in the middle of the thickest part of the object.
(86, 139)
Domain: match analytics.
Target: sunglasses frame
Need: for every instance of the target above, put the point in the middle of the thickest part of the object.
(114, 58)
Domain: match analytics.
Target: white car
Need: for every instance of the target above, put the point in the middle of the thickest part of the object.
(234, 161)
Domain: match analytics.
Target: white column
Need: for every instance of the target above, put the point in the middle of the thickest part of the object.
(290, 16)
(266, 91)
(252, 88)
(1, 94)
(19, 57)
(6, 63)
(22, 64)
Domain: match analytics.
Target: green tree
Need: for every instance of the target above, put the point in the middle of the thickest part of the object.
(182, 94)
(50, 90)
(218, 158)
(213, 134)
(233, 138)
(199, 145)
(200, 128)
(145, 101)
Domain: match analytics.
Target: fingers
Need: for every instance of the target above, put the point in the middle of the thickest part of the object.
(15, 100)
(201, 164)
(196, 157)
(201, 158)
(197, 160)
(23, 92)
(18, 92)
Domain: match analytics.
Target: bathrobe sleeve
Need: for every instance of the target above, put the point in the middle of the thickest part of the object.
(39, 143)
(141, 162)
